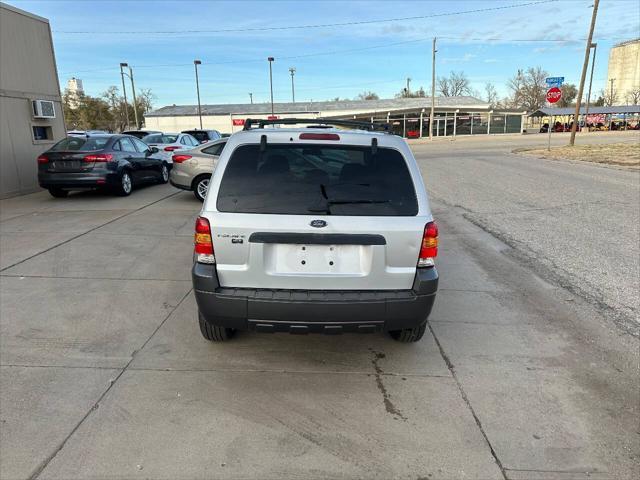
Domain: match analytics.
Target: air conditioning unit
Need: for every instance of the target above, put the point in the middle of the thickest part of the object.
(43, 109)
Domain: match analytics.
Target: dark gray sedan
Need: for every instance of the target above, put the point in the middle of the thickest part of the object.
(116, 162)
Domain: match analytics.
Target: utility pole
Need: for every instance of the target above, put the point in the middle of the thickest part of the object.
(292, 70)
(251, 98)
(611, 80)
(270, 60)
(433, 88)
(195, 65)
(576, 115)
(124, 93)
(408, 88)
(593, 64)
(135, 103)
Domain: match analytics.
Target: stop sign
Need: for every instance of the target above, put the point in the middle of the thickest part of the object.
(554, 94)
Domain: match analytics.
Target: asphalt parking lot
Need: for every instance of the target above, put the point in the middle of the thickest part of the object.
(105, 373)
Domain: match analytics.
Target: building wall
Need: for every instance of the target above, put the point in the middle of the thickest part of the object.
(624, 67)
(28, 72)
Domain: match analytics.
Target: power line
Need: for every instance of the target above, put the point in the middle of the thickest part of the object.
(337, 52)
(321, 25)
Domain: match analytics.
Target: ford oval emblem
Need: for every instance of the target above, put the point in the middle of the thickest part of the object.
(318, 223)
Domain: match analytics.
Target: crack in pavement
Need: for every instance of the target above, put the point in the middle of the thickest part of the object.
(386, 398)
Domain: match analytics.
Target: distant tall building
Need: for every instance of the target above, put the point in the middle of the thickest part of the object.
(624, 70)
(74, 90)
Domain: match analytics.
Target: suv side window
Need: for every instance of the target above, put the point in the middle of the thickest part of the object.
(127, 145)
(214, 149)
(140, 145)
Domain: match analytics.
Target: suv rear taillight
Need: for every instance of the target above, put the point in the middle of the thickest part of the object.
(429, 248)
(180, 158)
(203, 245)
(171, 148)
(43, 159)
(100, 157)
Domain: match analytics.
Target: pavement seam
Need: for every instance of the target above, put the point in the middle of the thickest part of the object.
(119, 279)
(468, 403)
(218, 370)
(89, 231)
(95, 406)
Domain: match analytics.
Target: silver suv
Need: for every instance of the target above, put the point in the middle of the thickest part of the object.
(315, 230)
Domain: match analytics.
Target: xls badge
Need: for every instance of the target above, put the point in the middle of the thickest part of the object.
(318, 223)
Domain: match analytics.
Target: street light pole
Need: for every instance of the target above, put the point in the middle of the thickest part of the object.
(593, 64)
(292, 70)
(135, 103)
(195, 65)
(433, 88)
(270, 60)
(576, 115)
(124, 93)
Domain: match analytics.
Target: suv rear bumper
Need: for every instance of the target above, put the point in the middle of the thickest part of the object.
(313, 311)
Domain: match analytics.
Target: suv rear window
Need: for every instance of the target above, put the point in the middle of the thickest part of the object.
(83, 144)
(317, 179)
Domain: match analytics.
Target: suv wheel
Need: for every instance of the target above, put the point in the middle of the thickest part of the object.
(126, 185)
(409, 335)
(164, 173)
(214, 333)
(200, 186)
(58, 192)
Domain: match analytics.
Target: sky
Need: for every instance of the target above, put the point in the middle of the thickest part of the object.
(378, 50)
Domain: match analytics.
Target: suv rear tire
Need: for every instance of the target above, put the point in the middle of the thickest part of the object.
(214, 333)
(58, 192)
(409, 335)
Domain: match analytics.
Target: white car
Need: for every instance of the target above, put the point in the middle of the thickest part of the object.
(170, 143)
(315, 230)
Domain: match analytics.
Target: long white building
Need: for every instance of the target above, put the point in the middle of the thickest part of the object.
(408, 117)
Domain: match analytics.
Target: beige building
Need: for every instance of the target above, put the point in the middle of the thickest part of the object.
(74, 90)
(624, 70)
(408, 117)
(30, 106)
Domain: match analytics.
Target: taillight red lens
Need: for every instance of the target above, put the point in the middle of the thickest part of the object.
(100, 157)
(43, 159)
(180, 158)
(171, 148)
(429, 247)
(319, 136)
(203, 245)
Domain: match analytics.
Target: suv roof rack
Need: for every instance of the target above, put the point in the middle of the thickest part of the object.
(320, 122)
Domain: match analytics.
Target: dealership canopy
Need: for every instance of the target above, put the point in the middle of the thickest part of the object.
(613, 110)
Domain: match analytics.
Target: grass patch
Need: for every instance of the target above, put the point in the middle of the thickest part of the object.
(624, 154)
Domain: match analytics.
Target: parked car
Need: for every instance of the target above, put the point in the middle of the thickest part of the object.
(204, 136)
(315, 230)
(118, 162)
(140, 134)
(192, 170)
(168, 143)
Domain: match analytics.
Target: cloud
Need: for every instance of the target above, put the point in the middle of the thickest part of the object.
(467, 57)
(491, 60)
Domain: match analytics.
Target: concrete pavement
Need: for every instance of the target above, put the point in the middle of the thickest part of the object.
(105, 375)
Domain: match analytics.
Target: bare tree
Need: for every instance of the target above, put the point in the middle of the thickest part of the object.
(454, 85)
(528, 88)
(368, 95)
(609, 96)
(491, 94)
(569, 94)
(404, 93)
(633, 96)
